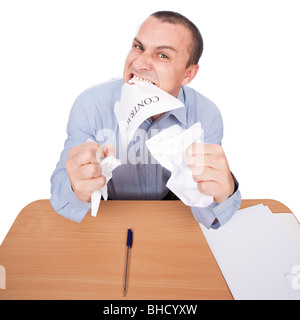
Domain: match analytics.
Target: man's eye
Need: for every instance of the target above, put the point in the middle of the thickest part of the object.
(162, 55)
(137, 46)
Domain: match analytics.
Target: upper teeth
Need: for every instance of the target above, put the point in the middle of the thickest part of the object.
(141, 79)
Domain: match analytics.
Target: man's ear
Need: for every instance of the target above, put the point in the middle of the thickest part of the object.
(190, 74)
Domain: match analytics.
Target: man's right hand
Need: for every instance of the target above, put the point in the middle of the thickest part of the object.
(83, 168)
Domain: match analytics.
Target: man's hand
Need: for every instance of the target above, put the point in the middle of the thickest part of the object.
(83, 168)
(210, 170)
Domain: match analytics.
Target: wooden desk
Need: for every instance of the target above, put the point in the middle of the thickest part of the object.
(47, 256)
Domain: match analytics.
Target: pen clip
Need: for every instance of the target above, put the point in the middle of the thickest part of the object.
(129, 238)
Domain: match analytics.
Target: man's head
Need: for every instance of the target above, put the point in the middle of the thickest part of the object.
(196, 45)
(166, 51)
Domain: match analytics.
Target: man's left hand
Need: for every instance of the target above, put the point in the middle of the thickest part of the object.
(210, 170)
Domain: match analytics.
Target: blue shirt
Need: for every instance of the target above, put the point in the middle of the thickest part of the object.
(139, 177)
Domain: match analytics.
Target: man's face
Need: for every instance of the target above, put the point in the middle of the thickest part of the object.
(159, 53)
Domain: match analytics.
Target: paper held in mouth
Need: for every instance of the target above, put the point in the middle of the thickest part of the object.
(140, 101)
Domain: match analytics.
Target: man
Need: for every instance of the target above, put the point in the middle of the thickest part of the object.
(165, 51)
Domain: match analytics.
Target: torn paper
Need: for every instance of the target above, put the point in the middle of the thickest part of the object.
(169, 148)
(107, 164)
(140, 101)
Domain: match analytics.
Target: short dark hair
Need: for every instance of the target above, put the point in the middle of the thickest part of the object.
(196, 47)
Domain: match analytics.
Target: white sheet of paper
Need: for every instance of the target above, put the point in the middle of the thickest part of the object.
(291, 225)
(256, 255)
(139, 101)
(169, 149)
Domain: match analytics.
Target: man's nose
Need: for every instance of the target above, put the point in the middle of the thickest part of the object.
(142, 62)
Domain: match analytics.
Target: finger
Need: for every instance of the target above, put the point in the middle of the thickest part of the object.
(85, 155)
(196, 148)
(95, 184)
(204, 148)
(88, 171)
(208, 188)
(84, 188)
(210, 161)
(109, 150)
(205, 174)
(215, 159)
(90, 144)
(99, 154)
(105, 151)
(200, 161)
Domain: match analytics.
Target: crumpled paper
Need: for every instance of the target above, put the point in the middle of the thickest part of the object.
(169, 148)
(140, 101)
(107, 164)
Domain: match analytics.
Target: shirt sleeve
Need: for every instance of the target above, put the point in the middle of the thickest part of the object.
(63, 199)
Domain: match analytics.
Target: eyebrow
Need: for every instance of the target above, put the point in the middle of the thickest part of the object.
(163, 47)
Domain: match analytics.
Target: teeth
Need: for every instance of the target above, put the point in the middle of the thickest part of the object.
(141, 79)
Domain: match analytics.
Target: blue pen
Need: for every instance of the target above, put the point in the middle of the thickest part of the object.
(129, 246)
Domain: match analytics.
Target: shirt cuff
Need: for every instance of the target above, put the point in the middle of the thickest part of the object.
(65, 202)
(70, 195)
(225, 210)
(222, 211)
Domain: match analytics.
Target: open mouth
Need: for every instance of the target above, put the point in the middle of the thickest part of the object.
(133, 76)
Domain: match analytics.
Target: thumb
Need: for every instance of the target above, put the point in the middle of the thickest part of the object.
(105, 151)
(109, 150)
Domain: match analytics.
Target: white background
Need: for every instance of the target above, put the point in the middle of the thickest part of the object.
(53, 50)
